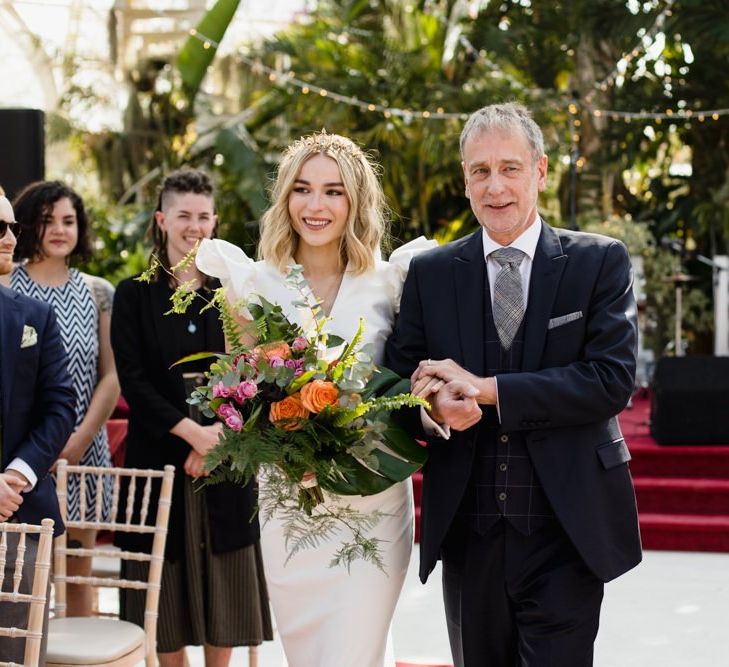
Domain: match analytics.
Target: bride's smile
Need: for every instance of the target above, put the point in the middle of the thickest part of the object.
(318, 204)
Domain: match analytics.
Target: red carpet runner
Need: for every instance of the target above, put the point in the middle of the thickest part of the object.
(682, 490)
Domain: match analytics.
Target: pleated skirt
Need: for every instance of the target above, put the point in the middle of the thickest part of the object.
(205, 598)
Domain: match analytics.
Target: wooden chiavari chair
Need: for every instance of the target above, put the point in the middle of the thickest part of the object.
(10, 591)
(97, 641)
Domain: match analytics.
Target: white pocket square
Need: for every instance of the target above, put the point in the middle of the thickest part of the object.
(30, 337)
(564, 319)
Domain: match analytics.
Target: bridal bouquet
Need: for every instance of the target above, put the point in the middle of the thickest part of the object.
(309, 410)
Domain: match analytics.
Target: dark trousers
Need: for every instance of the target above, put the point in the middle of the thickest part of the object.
(514, 600)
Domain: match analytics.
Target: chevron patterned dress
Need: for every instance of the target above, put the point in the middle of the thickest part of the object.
(78, 319)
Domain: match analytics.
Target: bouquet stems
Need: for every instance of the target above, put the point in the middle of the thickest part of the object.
(310, 497)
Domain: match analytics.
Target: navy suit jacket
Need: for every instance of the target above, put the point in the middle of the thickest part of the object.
(38, 399)
(577, 375)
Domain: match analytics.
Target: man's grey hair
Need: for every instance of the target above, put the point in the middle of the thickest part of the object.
(508, 116)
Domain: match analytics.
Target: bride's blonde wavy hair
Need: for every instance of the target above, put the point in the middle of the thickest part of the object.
(366, 226)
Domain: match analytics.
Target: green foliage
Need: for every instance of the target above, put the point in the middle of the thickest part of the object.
(672, 176)
(656, 291)
(194, 58)
(117, 241)
(304, 531)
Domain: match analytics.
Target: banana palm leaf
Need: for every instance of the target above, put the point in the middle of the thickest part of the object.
(194, 59)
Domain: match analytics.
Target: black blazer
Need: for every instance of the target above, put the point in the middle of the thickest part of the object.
(145, 345)
(577, 374)
(38, 399)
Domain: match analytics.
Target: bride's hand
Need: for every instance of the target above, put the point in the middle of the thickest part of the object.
(431, 375)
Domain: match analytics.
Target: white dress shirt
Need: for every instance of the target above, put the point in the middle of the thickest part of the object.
(526, 242)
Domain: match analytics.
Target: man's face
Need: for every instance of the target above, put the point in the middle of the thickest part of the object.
(503, 181)
(7, 242)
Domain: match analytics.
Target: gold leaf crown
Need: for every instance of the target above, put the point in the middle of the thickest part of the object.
(323, 142)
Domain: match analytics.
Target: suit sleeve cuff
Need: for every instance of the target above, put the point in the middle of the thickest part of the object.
(432, 427)
(24, 469)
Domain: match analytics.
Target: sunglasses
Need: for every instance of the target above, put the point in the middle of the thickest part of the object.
(5, 225)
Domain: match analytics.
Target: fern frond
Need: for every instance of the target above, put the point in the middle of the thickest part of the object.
(381, 403)
(353, 345)
(182, 297)
(231, 328)
(187, 261)
(149, 274)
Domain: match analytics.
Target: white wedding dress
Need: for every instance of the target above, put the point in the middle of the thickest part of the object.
(327, 616)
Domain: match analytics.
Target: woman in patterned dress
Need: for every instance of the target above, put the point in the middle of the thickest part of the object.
(54, 233)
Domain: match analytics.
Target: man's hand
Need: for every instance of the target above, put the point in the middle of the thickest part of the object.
(455, 404)
(430, 376)
(11, 484)
(195, 465)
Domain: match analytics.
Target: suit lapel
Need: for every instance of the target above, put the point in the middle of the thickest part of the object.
(549, 263)
(469, 268)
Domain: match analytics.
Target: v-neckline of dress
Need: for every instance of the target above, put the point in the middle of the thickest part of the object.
(340, 291)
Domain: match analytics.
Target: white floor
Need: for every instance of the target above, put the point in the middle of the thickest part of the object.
(671, 611)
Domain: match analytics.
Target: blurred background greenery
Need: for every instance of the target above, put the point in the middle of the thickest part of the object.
(623, 89)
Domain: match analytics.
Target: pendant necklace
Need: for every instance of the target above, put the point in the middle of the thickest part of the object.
(191, 327)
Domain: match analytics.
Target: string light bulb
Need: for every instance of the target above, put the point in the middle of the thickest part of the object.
(290, 79)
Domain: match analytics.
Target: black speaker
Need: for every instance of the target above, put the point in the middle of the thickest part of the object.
(22, 149)
(690, 403)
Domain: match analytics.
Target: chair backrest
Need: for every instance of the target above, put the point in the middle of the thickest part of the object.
(14, 549)
(134, 520)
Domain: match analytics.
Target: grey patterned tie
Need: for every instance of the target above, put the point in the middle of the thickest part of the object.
(508, 305)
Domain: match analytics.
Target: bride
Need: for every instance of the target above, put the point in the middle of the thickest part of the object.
(328, 215)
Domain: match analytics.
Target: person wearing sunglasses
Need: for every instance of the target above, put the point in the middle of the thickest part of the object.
(37, 416)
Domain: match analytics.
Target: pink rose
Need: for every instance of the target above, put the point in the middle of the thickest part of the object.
(232, 418)
(245, 390)
(297, 365)
(300, 343)
(220, 391)
(275, 362)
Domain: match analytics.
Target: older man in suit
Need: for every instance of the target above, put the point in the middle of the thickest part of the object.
(37, 416)
(524, 338)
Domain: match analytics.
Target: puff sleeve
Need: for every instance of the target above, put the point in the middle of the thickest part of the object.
(229, 264)
(399, 263)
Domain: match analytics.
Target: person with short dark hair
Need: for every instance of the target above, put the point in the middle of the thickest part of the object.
(36, 417)
(523, 336)
(213, 589)
(55, 234)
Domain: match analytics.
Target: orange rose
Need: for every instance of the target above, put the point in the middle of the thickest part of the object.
(317, 394)
(277, 348)
(288, 413)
